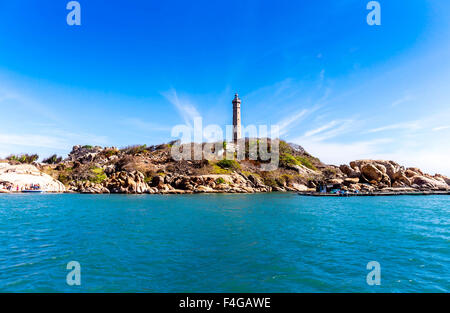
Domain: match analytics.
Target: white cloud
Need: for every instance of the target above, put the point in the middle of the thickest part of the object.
(342, 153)
(407, 126)
(402, 100)
(288, 122)
(31, 140)
(322, 75)
(440, 128)
(320, 129)
(331, 130)
(185, 108)
(61, 141)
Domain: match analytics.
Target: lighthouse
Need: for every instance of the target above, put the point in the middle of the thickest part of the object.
(236, 118)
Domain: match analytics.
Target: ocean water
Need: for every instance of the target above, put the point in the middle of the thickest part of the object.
(223, 243)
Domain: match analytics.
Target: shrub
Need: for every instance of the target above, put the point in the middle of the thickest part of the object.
(220, 180)
(270, 181)
(287, 160)
(287, 178)
(306, 162)
(23, 158)
(284, 147)
(219, 170)
(329, 172)
(99, 175)
(110, 152)
(63, 178)
(133, 150)
(54, 159)
(228, 164)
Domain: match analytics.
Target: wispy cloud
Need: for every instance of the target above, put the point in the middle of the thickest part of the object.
(290, 121)
(402, 100)
(406, 126)
(440, 128)
(330, 130)
(322, 74)
(31, 140)
(62, 140)
(185, 108)
(320, 129)
(19, 100)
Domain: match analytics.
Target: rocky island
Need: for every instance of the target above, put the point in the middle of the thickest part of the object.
(151, 169)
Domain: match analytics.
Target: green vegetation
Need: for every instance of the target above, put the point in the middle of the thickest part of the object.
(247, 174)
(54, 159)
(63, 178)
(89, 147)
(284, 147)
(63, 175)
(287, 160)
(133, 150)
(220, 180)
(23, 158)
(306, 162)
(271, 182)
(286, 178)
(228, 164)
(219, 170)
(329, 172)
(99, 175)
(110, 152)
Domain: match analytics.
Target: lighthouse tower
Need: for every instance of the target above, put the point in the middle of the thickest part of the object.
(236, 118)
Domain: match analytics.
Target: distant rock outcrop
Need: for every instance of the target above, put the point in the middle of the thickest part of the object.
(385, 175)
(20, 177)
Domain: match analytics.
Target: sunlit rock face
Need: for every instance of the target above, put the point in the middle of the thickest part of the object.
(20, 177)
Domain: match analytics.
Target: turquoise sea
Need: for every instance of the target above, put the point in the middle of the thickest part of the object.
(223, 243)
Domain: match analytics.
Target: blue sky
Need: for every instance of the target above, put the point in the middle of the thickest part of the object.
(134, 69)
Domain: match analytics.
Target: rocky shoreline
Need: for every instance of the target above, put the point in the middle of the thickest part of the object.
(376, 194)
(151, 170)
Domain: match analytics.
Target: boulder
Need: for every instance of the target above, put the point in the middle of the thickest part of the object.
(371, 173)
(125, 182)
(350, 172)
(299, 187)
(403, 179)
(350, 181)
(415, 170)
(429, 183)
(335, 181)
(203, 189)
(157, 181)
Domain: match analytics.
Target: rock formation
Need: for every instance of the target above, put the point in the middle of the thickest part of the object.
(142, 169)
(386, 175)
(20, 177)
